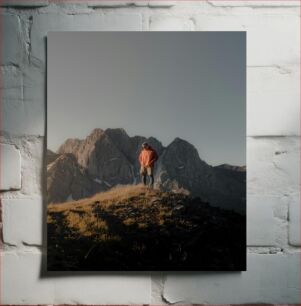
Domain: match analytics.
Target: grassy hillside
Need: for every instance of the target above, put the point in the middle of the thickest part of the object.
(136, 228)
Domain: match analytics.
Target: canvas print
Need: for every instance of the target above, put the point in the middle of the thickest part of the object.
(146, 151)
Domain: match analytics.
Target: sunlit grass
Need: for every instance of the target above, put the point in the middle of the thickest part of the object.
(130, 205)
(114, 195)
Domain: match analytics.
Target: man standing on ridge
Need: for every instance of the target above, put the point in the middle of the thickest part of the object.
(147, 158)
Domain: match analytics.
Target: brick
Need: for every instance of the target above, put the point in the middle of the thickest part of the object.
(286, 160)
(32, 166)
(102, 4)
(132, 289)
(22, 107)
(261, 223)
(294, 221)
(273, 165)
(12, 96)
(165, 23)
(12, 42)
(22, 284)
(267, 221)
(157, 284)
(161, 3)
(24, 3)
(12, 99)
(118, 3)
(276, 93)
(268, 279)
(10, 167)
(142, 3)
(11, 79)
(23, 94)
(44, 23)
(33, 122)
(33, 116)
(22, 221)
(21, 280)
(250, 3)
(110, 3)
(268, 34)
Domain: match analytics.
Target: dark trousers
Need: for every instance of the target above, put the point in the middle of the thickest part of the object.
(147, 171)
(151, 179)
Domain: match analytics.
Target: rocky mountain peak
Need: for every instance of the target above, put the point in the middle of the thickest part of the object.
(181, 143)
(122, 141)
(95, 135)
(116, 132)
(50, 156)
(110, 157)
(184, 151)
(69, 146)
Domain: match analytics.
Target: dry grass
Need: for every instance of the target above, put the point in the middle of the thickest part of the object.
(114, 195)
(82, 218)
(135, 227)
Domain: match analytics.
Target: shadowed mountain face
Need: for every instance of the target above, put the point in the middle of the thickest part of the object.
(107, 158)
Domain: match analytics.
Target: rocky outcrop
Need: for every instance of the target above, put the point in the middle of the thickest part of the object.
(71, 145)
(102, 158)
(181, 167)
(66, 180)
(234, 172)
(110, 157)
(51, 156)
(123, 143)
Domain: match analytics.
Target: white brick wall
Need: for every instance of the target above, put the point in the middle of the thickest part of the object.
(31, 3)
(294, 220)
(270, 279)
(44, 23)
(22, 221)
(166, 23)
(274, 96)
(14, 46)
(273, 149)
(24, 284)
(10, 171)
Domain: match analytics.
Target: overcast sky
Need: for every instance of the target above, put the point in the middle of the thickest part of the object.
(190, 85)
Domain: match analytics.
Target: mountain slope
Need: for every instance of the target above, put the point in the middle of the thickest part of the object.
(66, 179)
(136, 228)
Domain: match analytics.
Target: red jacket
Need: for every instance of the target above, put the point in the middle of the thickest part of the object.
(148, 157)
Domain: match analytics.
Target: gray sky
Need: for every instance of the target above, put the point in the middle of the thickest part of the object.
(190, 85)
